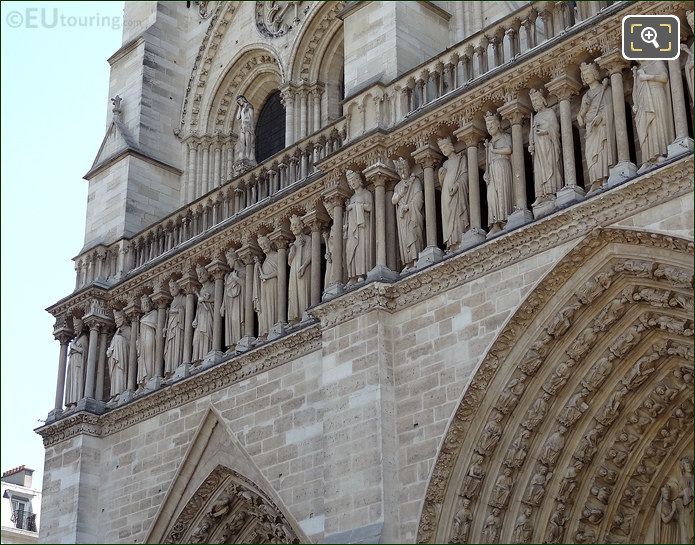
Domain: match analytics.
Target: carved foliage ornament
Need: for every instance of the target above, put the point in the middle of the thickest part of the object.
(274, 19)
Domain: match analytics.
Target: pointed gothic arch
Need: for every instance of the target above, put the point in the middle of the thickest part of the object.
(219, 495)
(581, 411)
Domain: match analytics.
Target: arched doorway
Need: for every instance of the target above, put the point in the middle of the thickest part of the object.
(577, 424)
(270, 128)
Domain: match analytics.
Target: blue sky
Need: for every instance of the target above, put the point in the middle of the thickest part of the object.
(54, 105)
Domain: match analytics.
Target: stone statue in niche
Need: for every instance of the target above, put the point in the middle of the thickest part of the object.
(552, 447)
(117, 354)
(462, 522)
(537, 485)
(545, 148)
(652, 109)
(476, 473)
(328, 256)
(359, 230)
(491, 434)
(265, 287)
(147, 339)
(77, 359)
(503, 488)
(665, 525)
(492, 526)
(202, 323)
(523, 526)
(175, 325)
(299, 260)
(685, 500)
(409, 200)
(596, 116)
(453, 178)
(498, 173)
(245, 152)
(232, 308)
(691, 56)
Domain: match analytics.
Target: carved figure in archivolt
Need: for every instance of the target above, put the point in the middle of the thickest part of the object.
(77, 359)
(265, 287)
(203, 322)
(453, 178)
(175, 325)
(596, 116)
(359, 230)
(498, 173)
(462, 522)
(232, 308)
(246, 144)
(408, 199)
(652, 108)
(299, 260)
(146, 340)
(117, 353)
(523, 526)
(492, 526)
(544, 147)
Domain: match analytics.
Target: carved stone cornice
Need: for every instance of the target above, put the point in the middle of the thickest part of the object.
(204, 382)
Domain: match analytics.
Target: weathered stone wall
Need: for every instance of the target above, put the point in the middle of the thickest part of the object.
(346, 435)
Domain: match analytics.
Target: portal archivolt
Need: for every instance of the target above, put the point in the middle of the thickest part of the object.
(227, 508)
(578, 424)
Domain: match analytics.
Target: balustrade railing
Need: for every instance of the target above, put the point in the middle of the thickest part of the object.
(279, 172)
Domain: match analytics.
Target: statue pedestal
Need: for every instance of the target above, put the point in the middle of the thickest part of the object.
(277, 331)
(126, 396)
(245, 344)
(543, 208)
(182, 371)
(569, 194)
(621, 172)
(681, 146)
(91, 405)
(429, 256)
(471, 238)
(241, 166)
(332, 291)
(213, 357)
(53, 415)
(518, 218)
(381, 273)
(153, 384)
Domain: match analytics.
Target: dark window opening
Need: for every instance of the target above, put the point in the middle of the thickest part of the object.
(270, 128)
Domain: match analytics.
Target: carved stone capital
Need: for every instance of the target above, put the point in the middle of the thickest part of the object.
(427, 156)
(160, 296)
(613, 62)
(470, 133)
(515, 110)
(189, 281)
(249, 251)
(218, 267)
(281, 236)
(335, 193)
(316, 217)
(62, 329)
(380, 174)
(563, 86)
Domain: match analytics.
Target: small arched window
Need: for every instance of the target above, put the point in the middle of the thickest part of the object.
(270, 128)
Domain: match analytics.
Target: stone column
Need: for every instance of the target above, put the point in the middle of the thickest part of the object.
(189, 285)
(217, 171)
(515, 111)
(614, 63)
(316, 93)
(391, 230)
(471, 133)
(187, 195)
(247, 253)
(315, 218)
(206, 166)
(288, 101)
(133, 313)
(564, 87)
(62, 335)
(334, 197)
(380, 175)
(92, 355)
(428, 156)
(280, 238)
(303, 112)
(101, 363)
(161, 299)
(218, 268)
(683, 143)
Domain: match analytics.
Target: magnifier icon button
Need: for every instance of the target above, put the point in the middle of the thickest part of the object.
(648, 35)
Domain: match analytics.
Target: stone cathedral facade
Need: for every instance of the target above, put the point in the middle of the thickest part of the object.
(361, 272)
